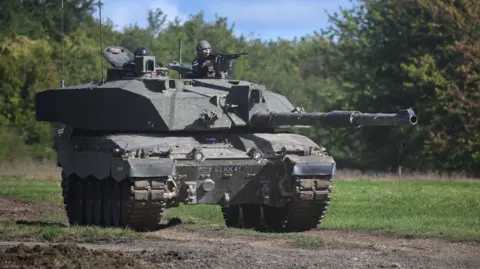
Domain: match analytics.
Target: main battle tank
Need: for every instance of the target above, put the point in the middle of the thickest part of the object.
(143, 142)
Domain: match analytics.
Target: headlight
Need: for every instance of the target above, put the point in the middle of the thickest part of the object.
(208, 185)
(255, 154)
(197, 155)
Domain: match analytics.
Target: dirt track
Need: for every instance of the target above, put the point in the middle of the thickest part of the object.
(206, 248)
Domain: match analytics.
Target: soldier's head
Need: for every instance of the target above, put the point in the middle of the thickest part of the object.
(203, 48)
(141, 51)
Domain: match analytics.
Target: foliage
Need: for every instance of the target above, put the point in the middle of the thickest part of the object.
(380, 56)
(422, 54)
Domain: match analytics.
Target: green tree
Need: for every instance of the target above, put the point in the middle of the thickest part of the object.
(418, 53)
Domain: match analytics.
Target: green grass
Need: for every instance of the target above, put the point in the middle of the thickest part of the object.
(198, 216)
(53, 233)
(444, 209)
(44, 191)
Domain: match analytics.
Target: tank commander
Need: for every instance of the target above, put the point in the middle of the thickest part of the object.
(203, 64)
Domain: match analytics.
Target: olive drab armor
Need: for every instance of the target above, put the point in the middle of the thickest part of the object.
(139, 144)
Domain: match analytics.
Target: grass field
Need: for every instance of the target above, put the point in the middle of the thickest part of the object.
(27, 168)
(444, 209)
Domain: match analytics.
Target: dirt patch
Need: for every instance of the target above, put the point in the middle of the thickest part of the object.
(177, 247)
(63, 256)
(227, 253)
(21, 211)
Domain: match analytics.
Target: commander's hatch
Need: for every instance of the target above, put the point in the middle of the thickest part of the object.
(117, 55)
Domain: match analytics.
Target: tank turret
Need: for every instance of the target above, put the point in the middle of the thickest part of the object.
(200, 105)
(138, 144)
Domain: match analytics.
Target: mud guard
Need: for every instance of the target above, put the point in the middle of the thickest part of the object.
(121, 169)
(150, 167)
(311, 165)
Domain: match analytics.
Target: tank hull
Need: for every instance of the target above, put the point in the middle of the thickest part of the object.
(277, 181)
(142, 142)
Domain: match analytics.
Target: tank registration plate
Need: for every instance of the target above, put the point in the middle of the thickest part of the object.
(228, 169)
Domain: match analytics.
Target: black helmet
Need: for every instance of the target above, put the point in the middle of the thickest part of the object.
(141, 51)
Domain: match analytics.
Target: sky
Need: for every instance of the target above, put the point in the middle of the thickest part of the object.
(266, 19)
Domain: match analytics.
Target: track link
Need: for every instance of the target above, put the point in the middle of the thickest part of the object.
(305, 212)
(310, 207)
(134, 203)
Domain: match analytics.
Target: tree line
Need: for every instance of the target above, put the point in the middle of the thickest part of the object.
(379, 56)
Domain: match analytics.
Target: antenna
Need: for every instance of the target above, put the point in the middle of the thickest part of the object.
(101, 39)
(180, 50)
(62, 83)
(180, 53)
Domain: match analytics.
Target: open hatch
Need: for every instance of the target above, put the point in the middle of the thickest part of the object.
(117, 56)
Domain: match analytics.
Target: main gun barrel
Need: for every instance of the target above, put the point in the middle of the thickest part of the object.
(334, 119)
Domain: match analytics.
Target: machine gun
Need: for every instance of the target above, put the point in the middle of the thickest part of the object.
(232, 56)
(184, 70)
(223, 63)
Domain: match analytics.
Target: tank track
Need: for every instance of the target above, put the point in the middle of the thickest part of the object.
(134, 203)
(304, 212)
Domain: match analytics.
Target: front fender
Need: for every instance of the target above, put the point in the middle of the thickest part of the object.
(311, 165)
(121, 169)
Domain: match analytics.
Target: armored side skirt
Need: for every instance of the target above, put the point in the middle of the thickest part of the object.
(228, 181)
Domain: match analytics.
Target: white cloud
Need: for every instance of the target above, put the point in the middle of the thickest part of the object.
(126, 12)
(272, 12)
(266, 18)
(119, 14)
(170, 9)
